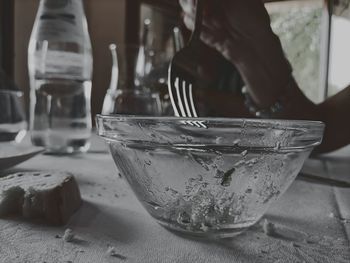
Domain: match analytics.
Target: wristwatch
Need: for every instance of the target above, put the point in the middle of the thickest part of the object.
(275, 110)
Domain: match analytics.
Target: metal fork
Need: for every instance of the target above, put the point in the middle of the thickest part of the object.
(183, 74)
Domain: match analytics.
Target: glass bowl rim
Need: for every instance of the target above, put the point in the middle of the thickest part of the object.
(308, 124)
(313, 129)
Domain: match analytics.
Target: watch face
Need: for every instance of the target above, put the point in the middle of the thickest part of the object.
(56, 4)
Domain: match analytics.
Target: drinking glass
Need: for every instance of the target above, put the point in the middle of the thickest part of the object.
(138, 80)
(13, 123)
(135, 102)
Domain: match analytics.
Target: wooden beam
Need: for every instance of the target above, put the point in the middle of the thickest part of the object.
(132, 23)
(7, 12)
(163, 4)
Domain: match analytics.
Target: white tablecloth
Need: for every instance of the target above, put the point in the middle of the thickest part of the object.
(312, 222)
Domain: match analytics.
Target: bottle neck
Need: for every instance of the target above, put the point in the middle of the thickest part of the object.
(61, 21)
(62, 6)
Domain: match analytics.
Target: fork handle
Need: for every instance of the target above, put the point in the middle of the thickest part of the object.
(198, 20)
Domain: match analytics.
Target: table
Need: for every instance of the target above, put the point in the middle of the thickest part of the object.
(312, 221)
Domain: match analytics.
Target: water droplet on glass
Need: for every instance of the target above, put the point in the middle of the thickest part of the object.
(154, 205)
(183, 218)
(152, 135)
(236, 142)
(219, 174)
(204, 228)
(219, 140)
(172, 191)
(278, 146)
(241, 162)
(205, 185)
(148, 162)
(227, 177)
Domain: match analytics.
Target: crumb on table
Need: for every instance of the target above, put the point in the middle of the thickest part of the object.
(111, 251)
(68, 235)
(269, 228)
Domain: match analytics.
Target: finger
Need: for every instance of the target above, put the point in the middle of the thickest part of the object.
(213, 17)
(189, 22)
(212, 38)
(188, 6)
(213, 22)
(229, 47)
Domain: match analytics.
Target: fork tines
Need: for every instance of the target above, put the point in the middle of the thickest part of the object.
(181, 96)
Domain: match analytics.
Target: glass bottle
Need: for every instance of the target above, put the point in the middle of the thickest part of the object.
(60, 72)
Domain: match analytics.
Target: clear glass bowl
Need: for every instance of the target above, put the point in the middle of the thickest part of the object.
(212, 181)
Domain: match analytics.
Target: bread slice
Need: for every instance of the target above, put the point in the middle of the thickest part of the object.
(52, 196)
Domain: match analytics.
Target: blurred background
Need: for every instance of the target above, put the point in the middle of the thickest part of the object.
(315, 36)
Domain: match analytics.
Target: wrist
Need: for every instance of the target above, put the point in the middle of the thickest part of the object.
(264, 86)
(266, 48)
(291, 104)
(265, 70)
(277, 109)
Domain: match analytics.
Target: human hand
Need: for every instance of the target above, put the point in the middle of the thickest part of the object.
(230, 25)
(240, 30)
